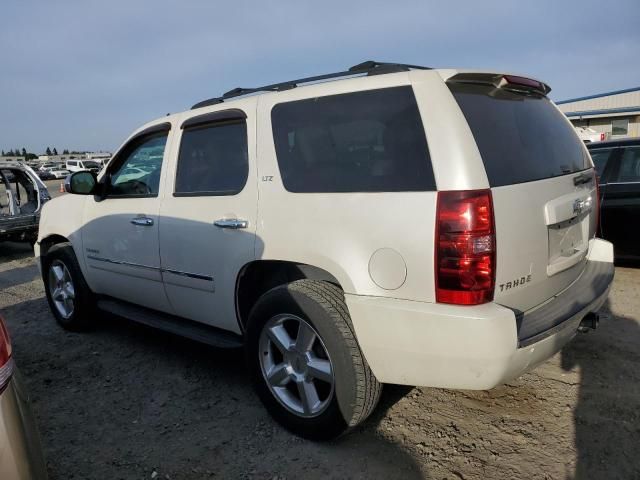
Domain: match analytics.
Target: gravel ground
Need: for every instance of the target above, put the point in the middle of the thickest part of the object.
(124, 401)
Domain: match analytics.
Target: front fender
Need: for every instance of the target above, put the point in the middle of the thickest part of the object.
(62, 217)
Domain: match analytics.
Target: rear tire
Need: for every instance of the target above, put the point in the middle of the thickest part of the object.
(342, 389)
(70, 299)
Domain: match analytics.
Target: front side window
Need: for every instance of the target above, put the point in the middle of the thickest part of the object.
(620, 126)
(370, 141)
(213, 160)
(629, 166)
(137, 173)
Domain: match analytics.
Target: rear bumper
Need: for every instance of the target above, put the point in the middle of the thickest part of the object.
(437, 345)
(21, 454)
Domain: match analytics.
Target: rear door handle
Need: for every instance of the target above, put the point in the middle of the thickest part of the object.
(234, 223)
(142, 221)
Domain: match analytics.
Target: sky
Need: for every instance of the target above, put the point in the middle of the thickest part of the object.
(82, 74)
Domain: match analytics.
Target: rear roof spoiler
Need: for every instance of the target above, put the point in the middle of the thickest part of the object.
(507, 82)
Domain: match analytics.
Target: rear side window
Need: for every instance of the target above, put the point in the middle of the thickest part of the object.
(600, 158)
(371, 141)
(521, 137)
(629, 166)
(213, 160)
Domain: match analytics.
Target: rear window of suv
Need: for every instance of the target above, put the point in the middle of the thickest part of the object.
(370, 141)
(521, 137)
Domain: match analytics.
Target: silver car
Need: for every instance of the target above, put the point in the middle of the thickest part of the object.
(21, 454)
(22, 195)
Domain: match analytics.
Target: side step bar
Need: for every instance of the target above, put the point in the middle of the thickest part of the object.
(199, 332)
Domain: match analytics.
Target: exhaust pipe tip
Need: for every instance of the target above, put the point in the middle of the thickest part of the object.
(589, 322)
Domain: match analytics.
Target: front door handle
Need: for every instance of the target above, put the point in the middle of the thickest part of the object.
(234, 223)
(142, 221)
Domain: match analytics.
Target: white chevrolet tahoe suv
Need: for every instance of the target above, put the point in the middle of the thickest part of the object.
(386, 224)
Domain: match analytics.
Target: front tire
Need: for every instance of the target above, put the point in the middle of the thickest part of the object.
(70, 299)
(305, 362)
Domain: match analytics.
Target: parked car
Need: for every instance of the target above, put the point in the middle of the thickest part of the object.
(45, 175)
(59, 173)
(103, 162)
(78, 165)
(618, 166)
(22, 195)
(132, 173)
(48, 166)
(21, 455)
(589, 135)
(396, 224)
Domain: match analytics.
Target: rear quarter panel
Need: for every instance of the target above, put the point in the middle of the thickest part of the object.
(339, 232)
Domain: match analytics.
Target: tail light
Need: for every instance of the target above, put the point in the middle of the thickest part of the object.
(6, 362)
(465, 247)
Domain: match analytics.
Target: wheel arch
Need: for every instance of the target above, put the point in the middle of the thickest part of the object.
(259, 276)
(49, 241)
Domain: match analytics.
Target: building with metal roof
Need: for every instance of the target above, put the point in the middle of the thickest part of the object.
(616, 114)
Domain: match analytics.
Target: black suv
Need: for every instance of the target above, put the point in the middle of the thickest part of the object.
(618, 165)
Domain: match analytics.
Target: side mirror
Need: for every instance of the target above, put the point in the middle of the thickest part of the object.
(81, 183)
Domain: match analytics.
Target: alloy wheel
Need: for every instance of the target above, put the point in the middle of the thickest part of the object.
(61, 288)
(295, 365)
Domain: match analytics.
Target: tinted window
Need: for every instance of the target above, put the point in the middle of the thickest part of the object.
(600, 158)
(213, 160)
(137, 171)
(629, 165)
(521, 137)
(370, 141)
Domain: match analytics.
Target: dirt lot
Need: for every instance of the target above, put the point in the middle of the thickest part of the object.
(125, 401)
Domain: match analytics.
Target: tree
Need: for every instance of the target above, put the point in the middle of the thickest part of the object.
(24, 152)
(65, 152)
(55, 152)
(48, 151)
(3, 153)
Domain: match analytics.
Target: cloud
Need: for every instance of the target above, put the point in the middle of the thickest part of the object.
(82, 74)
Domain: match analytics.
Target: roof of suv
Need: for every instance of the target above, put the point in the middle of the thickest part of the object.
(369, 67)
(623, 142)
(362, 70)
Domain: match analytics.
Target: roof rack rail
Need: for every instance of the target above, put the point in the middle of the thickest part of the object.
(370, 67)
